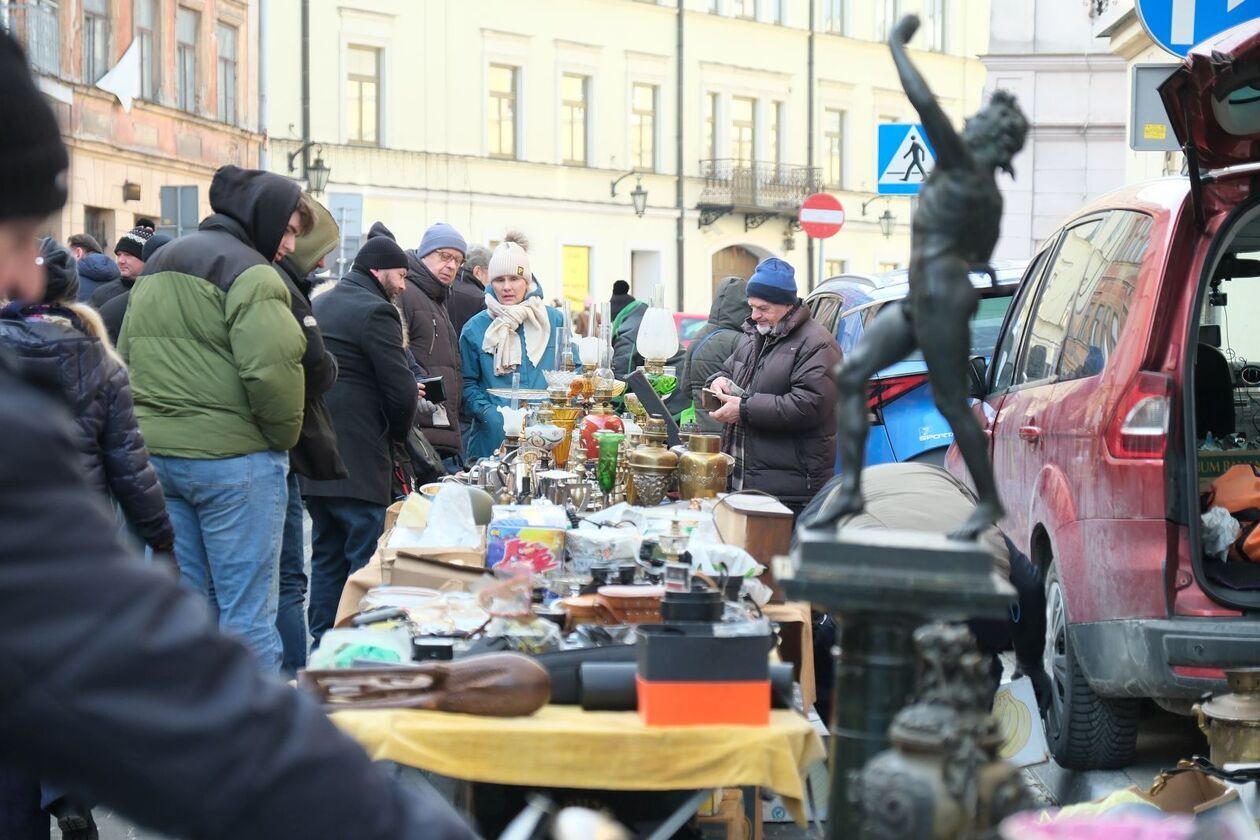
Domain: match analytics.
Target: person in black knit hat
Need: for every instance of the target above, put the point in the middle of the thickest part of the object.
(97, 650)
(373, 405)
(129, 252)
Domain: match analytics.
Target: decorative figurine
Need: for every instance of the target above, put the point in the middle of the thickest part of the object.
(953, 233)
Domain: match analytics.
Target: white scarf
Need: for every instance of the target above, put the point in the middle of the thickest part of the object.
(502, 339)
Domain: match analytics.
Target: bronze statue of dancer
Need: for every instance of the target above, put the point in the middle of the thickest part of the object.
(952, 233)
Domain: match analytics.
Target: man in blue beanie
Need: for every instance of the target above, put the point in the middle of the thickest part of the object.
(431, 271)
(778, 398)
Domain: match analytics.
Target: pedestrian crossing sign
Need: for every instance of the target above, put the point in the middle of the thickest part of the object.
(905, 158)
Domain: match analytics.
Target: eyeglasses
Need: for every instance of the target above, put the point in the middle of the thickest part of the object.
(447, 257)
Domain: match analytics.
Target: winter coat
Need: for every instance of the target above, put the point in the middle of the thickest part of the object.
(59, 346)
(112, 313)
(479, 375)
(108, 291)
(98, 651)
(435, 344)
(214, 352)
(373, 402)
(788, 416)
(467, 298)
(714, 343)
(625, 334)
(315, 455)
(95, 270)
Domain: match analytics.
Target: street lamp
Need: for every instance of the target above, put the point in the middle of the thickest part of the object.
(638, 195)
(886, 219)
(316, 172)
(886, 222)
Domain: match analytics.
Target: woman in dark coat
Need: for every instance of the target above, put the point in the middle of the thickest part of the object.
(65, 342)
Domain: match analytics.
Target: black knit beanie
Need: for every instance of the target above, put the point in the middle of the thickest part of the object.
(61, 271)
(155, 241)
(33, 159)
(380, 252)
(133, 242)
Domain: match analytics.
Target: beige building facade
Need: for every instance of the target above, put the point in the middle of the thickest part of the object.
(496, 114)
(193, 74)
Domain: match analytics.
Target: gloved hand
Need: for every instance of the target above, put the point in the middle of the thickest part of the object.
(426, 407)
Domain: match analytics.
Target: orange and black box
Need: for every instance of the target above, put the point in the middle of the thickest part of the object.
(688, 675)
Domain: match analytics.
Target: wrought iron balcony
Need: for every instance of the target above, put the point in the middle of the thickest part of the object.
(758, 189)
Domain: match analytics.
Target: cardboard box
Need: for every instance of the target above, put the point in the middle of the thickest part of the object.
(1192, 793)
(728, 822)
(1023, 735)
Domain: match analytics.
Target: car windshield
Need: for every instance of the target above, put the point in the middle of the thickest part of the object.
(689, 327)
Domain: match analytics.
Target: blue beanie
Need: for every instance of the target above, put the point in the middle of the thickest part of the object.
(442, 235)
(774, 280)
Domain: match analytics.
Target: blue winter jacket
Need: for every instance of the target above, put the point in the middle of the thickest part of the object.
(478, 365)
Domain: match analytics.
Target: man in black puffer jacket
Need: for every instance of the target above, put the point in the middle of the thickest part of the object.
(63, 341)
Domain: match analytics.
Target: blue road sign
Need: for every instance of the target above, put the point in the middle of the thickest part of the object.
(1177, 25)
(904, 158)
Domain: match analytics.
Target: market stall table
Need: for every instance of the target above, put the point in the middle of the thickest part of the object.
(566, 747)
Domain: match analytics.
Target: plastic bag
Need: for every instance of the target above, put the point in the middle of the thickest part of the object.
(451, 523)
(1220, 529)
(588, 545)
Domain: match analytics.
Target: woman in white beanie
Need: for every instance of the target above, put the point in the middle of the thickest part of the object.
(515, 333)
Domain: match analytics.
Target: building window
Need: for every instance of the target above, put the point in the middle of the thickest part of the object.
(145, 17)
(179, 210)
(502, 108)
(363, 96)
(227, 73)
(833, 146)
(834, 268)
(43, 36)
(746, 9)
(889, 266)
(96, 223)
(887, 13)
(95, 40)
(643, 127)
(776, 10)
(774, 143)
(743, 110)
(710, 125)
(833, 21)
(187, 22)
(347, 212)
(935, 28)
(573, 93)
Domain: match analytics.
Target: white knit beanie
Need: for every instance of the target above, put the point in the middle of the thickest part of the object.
(509, 259)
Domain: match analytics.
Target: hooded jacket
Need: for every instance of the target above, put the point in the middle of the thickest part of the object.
(58, 346)
(788, 414)
(96, 270)
(482, 406)
(373, 402)
(214, 351)
(315, 454)
(714, 343)
(435, 344)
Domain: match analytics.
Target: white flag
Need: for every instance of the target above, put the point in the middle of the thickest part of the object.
(124, 79)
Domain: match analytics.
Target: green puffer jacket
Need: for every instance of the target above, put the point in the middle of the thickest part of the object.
(212, 346)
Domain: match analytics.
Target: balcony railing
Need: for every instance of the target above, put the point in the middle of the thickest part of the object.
(757, 185)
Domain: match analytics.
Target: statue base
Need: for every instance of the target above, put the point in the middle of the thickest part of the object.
(881, 584)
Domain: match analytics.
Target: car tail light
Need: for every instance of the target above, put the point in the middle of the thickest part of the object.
(884, 391)
(1139, 427)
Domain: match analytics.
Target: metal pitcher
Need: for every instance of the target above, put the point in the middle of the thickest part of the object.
(1231, 721)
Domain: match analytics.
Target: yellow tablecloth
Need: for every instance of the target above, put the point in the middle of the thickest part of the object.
(564, 746)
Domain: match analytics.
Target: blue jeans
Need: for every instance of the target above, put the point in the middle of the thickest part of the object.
(343, 536)
(229, 521)
(291, 612)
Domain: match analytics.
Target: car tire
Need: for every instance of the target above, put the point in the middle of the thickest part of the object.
(1085, 731)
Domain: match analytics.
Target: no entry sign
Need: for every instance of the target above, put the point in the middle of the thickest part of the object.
(822, 215)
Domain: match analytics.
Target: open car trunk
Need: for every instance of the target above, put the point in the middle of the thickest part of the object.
(1222, 398)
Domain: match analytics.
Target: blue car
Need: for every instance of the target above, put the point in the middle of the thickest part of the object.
(905, 425)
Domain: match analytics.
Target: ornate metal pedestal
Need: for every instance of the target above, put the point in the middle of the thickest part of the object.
(881, 585)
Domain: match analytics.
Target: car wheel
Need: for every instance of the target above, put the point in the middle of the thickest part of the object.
(1085, 731)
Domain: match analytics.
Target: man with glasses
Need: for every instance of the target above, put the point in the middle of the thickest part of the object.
(431, 271)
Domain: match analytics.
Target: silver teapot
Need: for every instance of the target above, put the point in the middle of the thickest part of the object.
(490, 474)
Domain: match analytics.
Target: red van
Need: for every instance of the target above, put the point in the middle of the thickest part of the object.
(1125, 378)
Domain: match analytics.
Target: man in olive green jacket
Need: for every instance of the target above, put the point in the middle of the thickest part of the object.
(215, 357)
